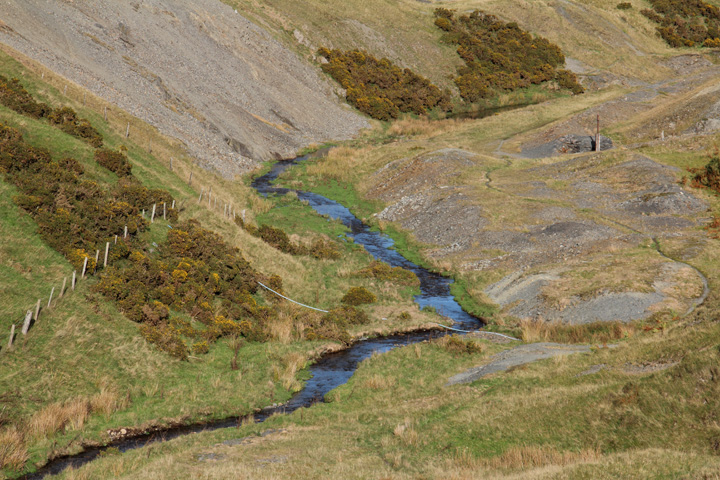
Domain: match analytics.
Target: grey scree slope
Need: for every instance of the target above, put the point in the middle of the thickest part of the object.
(195, 69)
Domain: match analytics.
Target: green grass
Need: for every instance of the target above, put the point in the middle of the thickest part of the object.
(396, 418)
(29, 269)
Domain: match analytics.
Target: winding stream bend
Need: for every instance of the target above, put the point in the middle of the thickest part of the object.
(334, 369)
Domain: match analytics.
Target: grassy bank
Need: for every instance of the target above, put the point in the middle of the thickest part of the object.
(636, 411)
(84, 369)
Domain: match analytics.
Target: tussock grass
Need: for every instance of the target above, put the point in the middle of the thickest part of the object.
(524, 458)
(13, 452)
(555, 331)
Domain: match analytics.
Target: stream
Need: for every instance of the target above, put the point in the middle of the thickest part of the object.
(331, 370)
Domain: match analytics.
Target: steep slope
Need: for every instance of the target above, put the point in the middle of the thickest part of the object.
(195, 69)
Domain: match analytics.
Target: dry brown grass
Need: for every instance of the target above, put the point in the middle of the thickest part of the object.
(58, 416)
(73, 414)
(108, 401)
(13, 452)
(406, 433)
(422, 127)
(286, 373)
(379, 382)
(520, 458)
(538, 330)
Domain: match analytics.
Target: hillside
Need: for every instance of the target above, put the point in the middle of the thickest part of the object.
(195, 70)
(595, 271)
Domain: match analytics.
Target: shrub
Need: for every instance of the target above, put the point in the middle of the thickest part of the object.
(567, 79)
(381, 89)
(67, 120)
(500, 56)
(686, 23)
(624, 6)
(116, 162)
(14, 96)
(383, 271)
(324, 249)
(709, 175)
(358, 296)
(277, 238)
(166, 339)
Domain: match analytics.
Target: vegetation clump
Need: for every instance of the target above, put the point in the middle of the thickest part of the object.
(14, 96)
(320, 248)
(380, 88)
(383, 271)
(75, 216)
(709, 175)
(358, 296)
(500, 57)
(67, 120)
(686, 23)
(114, 161)
(624, 6)
(457, 345)
(332, 325)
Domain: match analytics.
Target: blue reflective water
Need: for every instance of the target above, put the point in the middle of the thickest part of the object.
(336, 369)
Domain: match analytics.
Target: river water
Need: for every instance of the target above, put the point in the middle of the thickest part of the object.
(332, 370)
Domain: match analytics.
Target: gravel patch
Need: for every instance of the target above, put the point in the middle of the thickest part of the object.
(517, 356)
(571, 143)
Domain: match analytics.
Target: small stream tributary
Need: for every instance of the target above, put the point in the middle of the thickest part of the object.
(331, 370)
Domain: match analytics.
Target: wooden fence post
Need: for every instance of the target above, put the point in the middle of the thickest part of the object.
(597, 135)
(171, 159)
(12, 335)
(84, 267)
(37, 310)
(152, 217)
(173, 205)
(105, 114)
(125, 234)
(127, 130)
(52, 291)
(97, 257)
(190, 180)
(164, 211)
(62, 289)
(107, 250)
(73, 280)
(26, 323)
(202, 191)
(115, 240)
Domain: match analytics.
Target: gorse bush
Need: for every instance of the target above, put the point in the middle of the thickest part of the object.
(383, 271)
(194, 272)
(320, 248)
(67, 120)
(499, 56)
(381, 89)
(74, 215)
(358, 296)
(686, 23)
(116, 162)
(14, 96)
